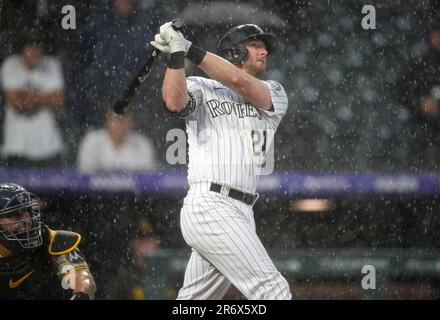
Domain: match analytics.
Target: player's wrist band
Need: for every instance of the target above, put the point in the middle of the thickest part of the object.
(195, 54)
(177, 60)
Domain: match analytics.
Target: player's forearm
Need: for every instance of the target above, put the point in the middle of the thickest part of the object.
(81, 282)
(85, 283)
(174, 89)
(223, 71)
(246, 85)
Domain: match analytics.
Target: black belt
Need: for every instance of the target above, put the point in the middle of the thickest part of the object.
(247, 198)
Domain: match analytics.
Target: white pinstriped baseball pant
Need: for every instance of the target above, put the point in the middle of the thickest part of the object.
(225, 250)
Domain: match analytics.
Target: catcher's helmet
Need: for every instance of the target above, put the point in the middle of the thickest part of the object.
(232, 45)
(20, 220)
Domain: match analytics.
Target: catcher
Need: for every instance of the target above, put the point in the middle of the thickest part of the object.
(37, 262)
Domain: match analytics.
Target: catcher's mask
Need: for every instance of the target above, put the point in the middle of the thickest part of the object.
(232, 45)
(20, 221)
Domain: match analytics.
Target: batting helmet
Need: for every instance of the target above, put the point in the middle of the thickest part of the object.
(20, 220)
(232, 45)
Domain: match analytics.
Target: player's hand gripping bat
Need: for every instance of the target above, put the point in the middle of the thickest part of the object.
(121, 106)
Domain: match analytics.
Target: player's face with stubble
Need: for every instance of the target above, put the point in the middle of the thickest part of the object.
(18, 222)
(256, 59)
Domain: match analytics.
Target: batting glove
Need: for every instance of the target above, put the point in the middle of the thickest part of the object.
(175, 39)
(160, 44)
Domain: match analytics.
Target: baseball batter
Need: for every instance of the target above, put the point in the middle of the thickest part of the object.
(230, 119)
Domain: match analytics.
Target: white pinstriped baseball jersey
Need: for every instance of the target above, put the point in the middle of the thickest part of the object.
(228, 136)
(226, 249)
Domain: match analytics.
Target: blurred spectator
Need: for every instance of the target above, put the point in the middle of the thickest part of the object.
(419, 89)
(33, 87)
(131, 278)
(111, 49)
(116, 147)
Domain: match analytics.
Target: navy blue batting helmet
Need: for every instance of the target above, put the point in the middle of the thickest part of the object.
(232, 45)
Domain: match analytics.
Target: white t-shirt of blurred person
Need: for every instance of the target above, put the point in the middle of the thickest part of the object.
(35, 136)
(97, 152)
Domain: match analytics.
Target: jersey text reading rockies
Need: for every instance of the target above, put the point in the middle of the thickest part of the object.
(241, 110)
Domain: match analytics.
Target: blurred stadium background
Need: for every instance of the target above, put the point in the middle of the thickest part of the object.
(347, 140)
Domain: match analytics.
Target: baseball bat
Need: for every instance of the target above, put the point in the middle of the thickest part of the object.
(121, 106)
